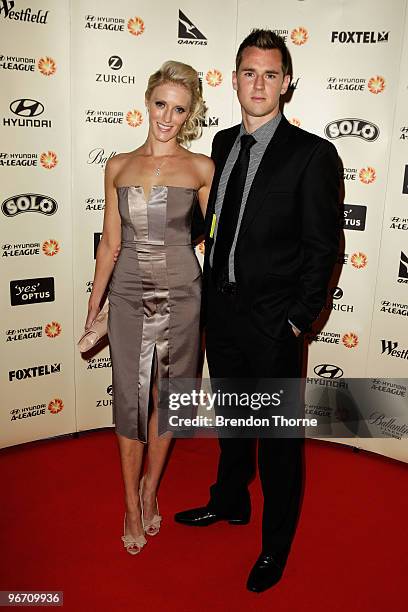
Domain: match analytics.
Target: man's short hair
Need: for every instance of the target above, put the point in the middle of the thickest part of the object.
(265, 39)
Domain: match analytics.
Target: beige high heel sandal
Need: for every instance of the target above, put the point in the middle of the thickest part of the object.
(151, 527)
(133, 545)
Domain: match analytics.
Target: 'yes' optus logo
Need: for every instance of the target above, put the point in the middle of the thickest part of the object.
(134, 118)
(53, 329)
(48, 160)
(299, 36)
(56, 405)
(136, 26)
(47, 66)
(350, 340)
(50, 247)
(214, 77)
(376, 84)
(367, 175)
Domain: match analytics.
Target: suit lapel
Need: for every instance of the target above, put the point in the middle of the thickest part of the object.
(262, 179)
(220, 158)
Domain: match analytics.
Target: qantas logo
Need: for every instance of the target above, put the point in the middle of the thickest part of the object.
(188, 33)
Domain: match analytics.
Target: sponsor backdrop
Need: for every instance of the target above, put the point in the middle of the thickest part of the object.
(73, 97)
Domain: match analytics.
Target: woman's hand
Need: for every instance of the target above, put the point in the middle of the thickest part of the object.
(93, 311)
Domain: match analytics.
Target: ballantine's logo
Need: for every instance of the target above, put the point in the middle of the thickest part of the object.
(295, 121)
(188, 33)
(47, 66)
(134, 118)
(214, 77)
(299, 36)
(97, 156)
(29, 202)
(360, 37)
(48, 160)
(389, 348)
(6, 10)
(136, 26)
(360, 128)
(376, 84)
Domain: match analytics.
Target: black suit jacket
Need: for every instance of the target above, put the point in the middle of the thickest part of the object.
(288, 239)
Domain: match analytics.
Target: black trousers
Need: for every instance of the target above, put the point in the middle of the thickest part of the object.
(238, 348)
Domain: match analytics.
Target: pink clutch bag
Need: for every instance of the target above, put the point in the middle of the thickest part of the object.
(96, 332)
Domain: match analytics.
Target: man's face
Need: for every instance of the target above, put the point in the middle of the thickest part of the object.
(259, 82)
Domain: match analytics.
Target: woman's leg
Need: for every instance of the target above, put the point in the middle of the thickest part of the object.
(131, 455)
(156, 457)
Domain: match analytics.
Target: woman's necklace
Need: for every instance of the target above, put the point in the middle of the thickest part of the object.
(157, 170)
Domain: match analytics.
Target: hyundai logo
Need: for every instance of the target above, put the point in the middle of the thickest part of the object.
(25, 107)
(327, 370)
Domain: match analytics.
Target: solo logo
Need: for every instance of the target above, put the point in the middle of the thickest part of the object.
(29, 202)
(34, 371)
(360, 128)
(32, 291)
(327, 370)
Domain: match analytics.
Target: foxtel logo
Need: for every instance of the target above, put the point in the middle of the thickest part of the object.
(34, 371)
(390, 348)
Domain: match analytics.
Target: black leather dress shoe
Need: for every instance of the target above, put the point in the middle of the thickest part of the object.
(202, 517)
(265, 573)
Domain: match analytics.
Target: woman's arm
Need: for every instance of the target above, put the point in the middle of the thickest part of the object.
(206, 168)
(109, 243)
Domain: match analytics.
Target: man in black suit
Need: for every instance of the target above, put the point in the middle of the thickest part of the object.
(271, 243)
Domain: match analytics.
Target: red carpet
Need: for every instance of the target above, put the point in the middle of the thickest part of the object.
(61, 522)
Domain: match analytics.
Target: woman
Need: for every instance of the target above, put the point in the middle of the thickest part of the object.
(154, 297)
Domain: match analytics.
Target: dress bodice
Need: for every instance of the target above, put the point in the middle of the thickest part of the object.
(162, 219)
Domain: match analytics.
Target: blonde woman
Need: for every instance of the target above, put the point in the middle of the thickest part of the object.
(155, 288)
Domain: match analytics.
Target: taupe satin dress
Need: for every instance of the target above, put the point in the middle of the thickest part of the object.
(154, 301)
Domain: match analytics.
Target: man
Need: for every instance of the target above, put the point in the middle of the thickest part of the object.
(271, 243)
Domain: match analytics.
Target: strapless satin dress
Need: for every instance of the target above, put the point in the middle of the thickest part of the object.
(154, 301)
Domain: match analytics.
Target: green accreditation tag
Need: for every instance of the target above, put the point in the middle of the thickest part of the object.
(213, 222)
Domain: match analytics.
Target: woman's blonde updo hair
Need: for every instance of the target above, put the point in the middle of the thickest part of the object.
(185, 75)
